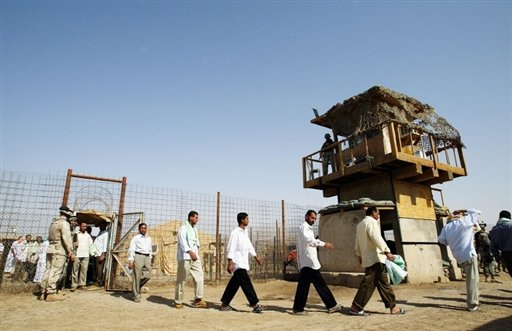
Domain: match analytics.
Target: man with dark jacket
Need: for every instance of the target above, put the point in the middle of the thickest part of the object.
(501, 239)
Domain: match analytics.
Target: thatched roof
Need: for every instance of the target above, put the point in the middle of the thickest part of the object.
(379, 104)
(94, 217)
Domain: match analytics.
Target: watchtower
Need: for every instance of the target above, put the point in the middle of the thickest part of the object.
(389, 149)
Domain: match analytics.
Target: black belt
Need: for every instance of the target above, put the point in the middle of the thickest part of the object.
(141, 254)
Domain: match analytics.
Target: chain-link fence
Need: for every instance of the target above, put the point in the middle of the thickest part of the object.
(29, 201)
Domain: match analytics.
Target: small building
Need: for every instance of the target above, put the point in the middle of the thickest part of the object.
(387, 147)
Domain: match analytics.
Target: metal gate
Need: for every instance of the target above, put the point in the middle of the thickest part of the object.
(117, 276)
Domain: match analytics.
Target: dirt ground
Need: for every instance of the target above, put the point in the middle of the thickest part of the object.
(428, 306)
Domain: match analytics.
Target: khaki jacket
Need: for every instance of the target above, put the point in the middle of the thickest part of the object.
(59, 236)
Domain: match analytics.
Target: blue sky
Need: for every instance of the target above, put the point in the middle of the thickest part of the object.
(213, 96)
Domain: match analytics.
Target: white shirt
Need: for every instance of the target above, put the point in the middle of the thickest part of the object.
(84, 240)
(185, 243)
(140, 244)
(20, 250)
(239, 248)
(100, 243)
(458, 234)
(370, 245)
(41, 253)
(14, 248)
(307, 255)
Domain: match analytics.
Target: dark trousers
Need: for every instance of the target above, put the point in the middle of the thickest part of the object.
(375, 276)
(241, 279)
(99, 271)
(31, 271)
(306, 277)
(91, 270)
(506, 257)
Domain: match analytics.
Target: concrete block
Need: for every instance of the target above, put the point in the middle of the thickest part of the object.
(424, 263)
(418, 230)
(339, 229)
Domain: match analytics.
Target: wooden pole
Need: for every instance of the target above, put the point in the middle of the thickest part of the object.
(218, 242)
(284, 233)
(67, 187)
(121, 210)
(113, 274)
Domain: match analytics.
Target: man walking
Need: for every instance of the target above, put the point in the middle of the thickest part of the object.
(81, 264)
(372, 252)
(139, 260)
(309, 267)
(189, 262)
(239, 248)
(458, 233)
(59, 250)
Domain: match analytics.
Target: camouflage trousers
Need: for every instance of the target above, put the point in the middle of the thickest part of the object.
(55, 264)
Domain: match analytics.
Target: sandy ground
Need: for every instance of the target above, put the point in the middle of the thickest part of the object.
(429, 307)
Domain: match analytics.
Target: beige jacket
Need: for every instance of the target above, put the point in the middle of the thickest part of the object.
(60, 239)
(370, 245)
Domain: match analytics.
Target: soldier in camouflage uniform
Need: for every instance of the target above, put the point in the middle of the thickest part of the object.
(59, 250)
(483, 248)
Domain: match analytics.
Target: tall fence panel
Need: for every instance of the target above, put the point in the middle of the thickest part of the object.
(29, 201)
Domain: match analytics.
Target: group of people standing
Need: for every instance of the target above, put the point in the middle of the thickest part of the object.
(25, 259)
(370, 247)
(65, 256)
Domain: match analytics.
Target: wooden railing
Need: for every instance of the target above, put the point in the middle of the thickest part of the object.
(385, 143)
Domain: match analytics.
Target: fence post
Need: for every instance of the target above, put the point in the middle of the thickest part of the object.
(276, 249)
(121, 210)
(283, 219)
(218, 242)
(113, 274)
(65, 198)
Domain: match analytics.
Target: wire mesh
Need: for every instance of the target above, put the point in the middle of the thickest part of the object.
(29, 201)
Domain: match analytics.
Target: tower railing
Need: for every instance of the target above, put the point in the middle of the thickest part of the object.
(380, 147)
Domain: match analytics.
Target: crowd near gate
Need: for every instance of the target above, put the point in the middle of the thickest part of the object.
(29, 202)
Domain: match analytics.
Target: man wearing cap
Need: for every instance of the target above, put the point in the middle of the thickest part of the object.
(327, 154)
(458, 234)
(483, 248)
(59, 250)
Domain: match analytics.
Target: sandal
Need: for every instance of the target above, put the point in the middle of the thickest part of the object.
(225, 308)
(334, 309)
(258, 308)
(356, 312)
(400, 311)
